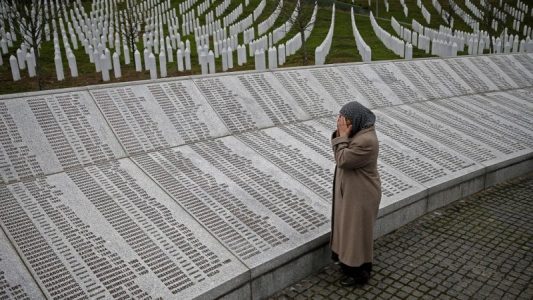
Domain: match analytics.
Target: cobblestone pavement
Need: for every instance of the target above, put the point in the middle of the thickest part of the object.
(480, 247)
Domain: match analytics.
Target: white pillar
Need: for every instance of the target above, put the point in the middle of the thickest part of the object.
(126, 54)
(272, 58)
(187, 59)
(21, 57)
(152, 66)
(116, 65)
(104, 66)
(408, 51)
(170, 53)
(203, 63)
(179, 57)
(138, 63)
(14, 68)
(97, 62)
(211, 62)
(72, 64)
(163, 63)
(224, 60)
(59, 67)
(229, 53)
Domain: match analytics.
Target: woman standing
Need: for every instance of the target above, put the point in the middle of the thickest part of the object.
(356, 192)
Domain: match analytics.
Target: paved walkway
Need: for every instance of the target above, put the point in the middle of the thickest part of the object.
(480, 247)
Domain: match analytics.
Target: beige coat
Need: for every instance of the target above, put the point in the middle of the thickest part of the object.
(356, 196)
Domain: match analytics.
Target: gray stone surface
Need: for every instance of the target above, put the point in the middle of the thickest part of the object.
(50, 133)
(159, 115)
(256, 210)
(15, 280)
(107, 231)
(221, 185)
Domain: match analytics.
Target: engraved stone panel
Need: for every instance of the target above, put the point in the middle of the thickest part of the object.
(305, 89)
(500, 127)
(526, 60)
(15, 280)
(337, 86)
(251, 101)
(471, 128)
(522, 118)
(50, 133)
(108, 231)
(255, 209)
(421, 159)
(394, 80)
(375, 90)
(513, 69)
(474, 78)
(154, 116)
(493, 72)
(423, 79)
(447, 77)
(444, 133)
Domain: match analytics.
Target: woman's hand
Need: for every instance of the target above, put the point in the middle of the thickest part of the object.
(343, 129)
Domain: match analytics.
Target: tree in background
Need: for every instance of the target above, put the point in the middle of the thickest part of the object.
(28, 20)
(130, 24)
(300, 19)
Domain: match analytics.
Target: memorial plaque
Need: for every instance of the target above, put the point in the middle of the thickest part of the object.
(376, 92)
(442, 133)
(294, 158)
(500, 127)
(525, 60)
(471, 128)
(524, 96)
(493, 72)
(519, 116)
(339, 88)
(423, 79)
(155, 116)
(252, 101)
(15, 280)
(447, 77)
(107, 231)
(473, 77)
(423, 160)
(305, 89)
(255, 209)
(50, 133)
(400, 85)
(513, 69)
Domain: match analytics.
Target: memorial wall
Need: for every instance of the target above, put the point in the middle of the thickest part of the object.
(198, 187)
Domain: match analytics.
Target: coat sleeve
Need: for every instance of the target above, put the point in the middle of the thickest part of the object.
(351, 154)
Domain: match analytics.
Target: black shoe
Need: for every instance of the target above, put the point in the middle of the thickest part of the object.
(347, 281)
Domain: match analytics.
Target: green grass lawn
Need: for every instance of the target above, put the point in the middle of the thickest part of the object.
(343, 48)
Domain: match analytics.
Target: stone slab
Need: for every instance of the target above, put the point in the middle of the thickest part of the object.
(109, 231)
(159, 115)
(503, 147)
(332, 81)
(307, 92)
(393, 80)
(16, 280)
(472, 76)
(500, 80)
(420, 158)
(520, 74)
(519, 114)
(428, 83)
(364, 79)
(250, 101)
(447, 77)
(50, 133)
(259, 212)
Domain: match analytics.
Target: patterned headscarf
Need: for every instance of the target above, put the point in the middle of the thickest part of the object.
(361, 116)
